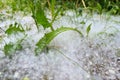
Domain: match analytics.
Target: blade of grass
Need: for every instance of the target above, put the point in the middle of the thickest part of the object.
(88, 29)
(52, 7)
(56, 14)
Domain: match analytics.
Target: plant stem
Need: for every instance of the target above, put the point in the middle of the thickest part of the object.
(84, 4)
(78, 32)
(48, 3)
(51, 8)
(74, 62)
(51, 27)
(77, 4)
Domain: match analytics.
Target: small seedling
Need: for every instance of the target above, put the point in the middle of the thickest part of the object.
(88, 29)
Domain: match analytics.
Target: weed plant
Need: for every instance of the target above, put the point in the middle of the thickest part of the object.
(38, 9)
(40, 19)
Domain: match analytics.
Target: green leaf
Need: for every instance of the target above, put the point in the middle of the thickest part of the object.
(56, 14)
(39, 15)
(14, 28)
(99, 8)
(88, 29)
(52, 6)
(43, 42)
(10, 48)
(82, 22)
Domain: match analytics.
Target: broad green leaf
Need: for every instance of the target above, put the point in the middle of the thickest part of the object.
(39, 15)
(14, 28)
(43, 42)
(88, 29)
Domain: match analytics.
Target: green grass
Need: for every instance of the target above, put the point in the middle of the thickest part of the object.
(38, 9)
